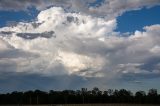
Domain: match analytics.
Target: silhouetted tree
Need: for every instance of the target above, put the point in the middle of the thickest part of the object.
(140, 97)
(152, 96)
(80, 96)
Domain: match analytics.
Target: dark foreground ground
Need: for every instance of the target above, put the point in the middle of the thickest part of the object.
(87, 105)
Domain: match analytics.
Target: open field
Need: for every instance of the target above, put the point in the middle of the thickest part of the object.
(87, 105)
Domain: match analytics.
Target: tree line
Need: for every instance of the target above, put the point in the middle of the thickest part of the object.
(82, 96)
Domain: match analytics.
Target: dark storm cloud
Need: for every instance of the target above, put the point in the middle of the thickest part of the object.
(36, 35)
(151, 64)
(23, 81)
(6, 32)
(139, 76)
(7, 66)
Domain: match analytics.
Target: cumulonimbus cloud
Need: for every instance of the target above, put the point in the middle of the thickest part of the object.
(79, 44)
(61, 54)
(84, 45)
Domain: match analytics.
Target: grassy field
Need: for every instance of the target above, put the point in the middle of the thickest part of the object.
(87, 105)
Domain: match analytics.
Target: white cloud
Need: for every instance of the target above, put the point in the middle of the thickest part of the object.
(65, 50)
(3, 45)
(155, 49)
(83, 45)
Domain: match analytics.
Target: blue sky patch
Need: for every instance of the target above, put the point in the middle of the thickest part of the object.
(96, 3)
(12, 17)
(136, 20)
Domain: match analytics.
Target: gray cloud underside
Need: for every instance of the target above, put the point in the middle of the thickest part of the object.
(23, 82)
(36, 35)
(30, 35)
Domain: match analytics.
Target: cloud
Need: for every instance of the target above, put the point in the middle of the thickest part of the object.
(85, 47)
(40, 4)
(62, 54)
(114, 8)
(105, 8)
(22, 82)
(36, 35)
(19, 4)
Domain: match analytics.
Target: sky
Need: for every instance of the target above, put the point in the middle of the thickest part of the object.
(74, 44)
